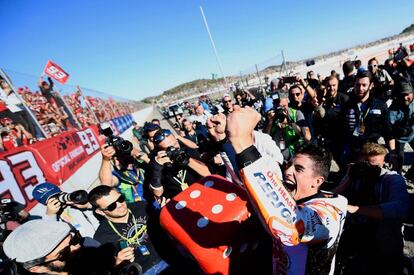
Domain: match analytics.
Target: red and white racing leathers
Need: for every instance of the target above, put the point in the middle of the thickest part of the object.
(306, 232)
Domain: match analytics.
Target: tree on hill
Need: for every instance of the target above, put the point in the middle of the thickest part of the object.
(408, 29)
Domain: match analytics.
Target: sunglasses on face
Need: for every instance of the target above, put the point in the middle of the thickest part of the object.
(65, 252)
(161, 135)
(373, 65)
(296, 94)
(227, 101)
(111, 207)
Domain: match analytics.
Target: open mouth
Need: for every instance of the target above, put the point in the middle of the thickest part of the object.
(290, 185)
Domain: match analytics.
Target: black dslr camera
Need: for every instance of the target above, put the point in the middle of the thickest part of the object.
(280, 114)
(123, 148)
(177, 156)
(364, 177)
(7, 212)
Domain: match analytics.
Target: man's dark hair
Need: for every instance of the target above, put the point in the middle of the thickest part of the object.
(155, 119)
(363, 75)
(348, 67)
(296, 86)
(357, 63)
(320, 157)
(97, 193)
(134, 123)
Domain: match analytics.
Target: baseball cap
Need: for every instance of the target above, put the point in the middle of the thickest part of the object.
(404, 88)
(44, 191)
(35, 239)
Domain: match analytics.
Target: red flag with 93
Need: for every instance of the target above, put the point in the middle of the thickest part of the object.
(54, 71)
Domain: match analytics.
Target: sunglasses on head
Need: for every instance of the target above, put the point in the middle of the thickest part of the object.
(161, 135)
(111, 207)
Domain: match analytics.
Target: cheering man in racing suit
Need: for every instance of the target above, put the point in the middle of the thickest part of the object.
(306, 223)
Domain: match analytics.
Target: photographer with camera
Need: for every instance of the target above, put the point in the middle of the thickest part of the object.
(401, 120)
(124, 167)
(174, 167)
(51, 247)
(128, 228)
(383, 83)
(72, 208)
(372, 242)
(328, 116)
(287, 126)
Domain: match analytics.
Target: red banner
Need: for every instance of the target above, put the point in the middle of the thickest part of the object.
(54, 160)
(54, 71)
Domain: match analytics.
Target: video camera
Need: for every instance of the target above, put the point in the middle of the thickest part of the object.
(123, 148)
(280, 114)
(177, 156)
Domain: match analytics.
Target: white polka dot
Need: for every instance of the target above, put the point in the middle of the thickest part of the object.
(227, 252)
(209, 183)
(195, 194)
(217, 209)
(231, 197)
(202, 222)
(180, 205)
(243, 247)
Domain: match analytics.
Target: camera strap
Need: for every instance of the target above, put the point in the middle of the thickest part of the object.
(132, 177)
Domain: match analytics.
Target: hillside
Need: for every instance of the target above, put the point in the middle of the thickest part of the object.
(408, 29)
(201, 85)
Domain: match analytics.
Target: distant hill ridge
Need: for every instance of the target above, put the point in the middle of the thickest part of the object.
(200, 85)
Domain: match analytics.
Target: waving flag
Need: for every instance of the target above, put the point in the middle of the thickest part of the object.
(54, 71)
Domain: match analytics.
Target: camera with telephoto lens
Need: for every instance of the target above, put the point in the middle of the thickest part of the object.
(123, 148)
(7, 212)
(280, 114)
(78, 196)
(177, 156)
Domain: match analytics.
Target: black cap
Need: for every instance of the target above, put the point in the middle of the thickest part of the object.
(404, 88)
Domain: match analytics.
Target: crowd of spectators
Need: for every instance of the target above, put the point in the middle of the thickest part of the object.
(322, 158)
(54, 112)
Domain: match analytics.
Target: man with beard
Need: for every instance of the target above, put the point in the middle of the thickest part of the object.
(51, 247)
(364, 117)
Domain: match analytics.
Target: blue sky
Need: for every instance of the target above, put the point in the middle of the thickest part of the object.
(137, 48)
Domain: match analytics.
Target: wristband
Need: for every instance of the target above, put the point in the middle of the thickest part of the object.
(247, 157)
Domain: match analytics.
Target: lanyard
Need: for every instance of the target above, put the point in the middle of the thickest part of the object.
(137, 232)
(132, 179)
(181, 178)
(361, 115)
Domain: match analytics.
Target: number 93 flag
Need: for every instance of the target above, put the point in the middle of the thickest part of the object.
(54, 71)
